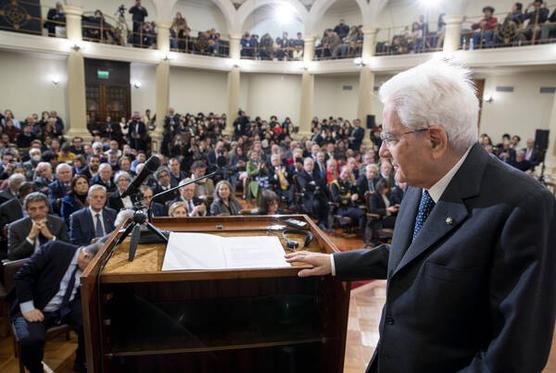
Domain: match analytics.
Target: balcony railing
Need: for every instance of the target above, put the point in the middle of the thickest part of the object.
(271, 53)
(201, 45)
(28, 18)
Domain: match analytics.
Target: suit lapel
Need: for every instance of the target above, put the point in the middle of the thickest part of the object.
(404, 227)
(449, 212)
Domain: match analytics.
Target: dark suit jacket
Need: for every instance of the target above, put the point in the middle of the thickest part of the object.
(10, 211)
(115, 202)
(19, 247)
(97, 180)
(6, 195)
(82, 228)
(363, 186)
(56, 191)
(475, 291)
(40, 277)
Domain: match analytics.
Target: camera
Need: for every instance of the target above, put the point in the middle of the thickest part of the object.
(121, 10)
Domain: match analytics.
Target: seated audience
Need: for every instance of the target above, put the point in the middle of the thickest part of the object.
(157, 209)
(344, 194)
(268, 204)
(203, 188)
(14, 182)
(93, 222)
(47, 294)
(76, 198)
(224, 203)
(11, 211)
(26, 235)
(104, 178)
(313, 188)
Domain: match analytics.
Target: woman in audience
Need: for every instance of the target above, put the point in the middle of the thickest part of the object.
(116, 202)
(178, 210)
(238, 164)
(76, 199)
(224, 203)
(380, 204)
(268, 204)
(258, 173)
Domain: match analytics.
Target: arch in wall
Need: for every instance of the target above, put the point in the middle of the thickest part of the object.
(166, 10)
(215, 2)
(262, 20)
(249, 6)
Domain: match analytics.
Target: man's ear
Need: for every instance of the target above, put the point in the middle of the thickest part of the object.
(438, 140)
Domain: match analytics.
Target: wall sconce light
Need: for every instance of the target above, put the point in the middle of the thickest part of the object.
(76, 47)
(235, 62)
(137, 84)
(488, 99)
(55, 81)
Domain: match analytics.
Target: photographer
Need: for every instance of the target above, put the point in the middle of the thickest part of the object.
(139, 13)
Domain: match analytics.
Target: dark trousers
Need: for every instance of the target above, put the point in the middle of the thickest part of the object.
(31, 336)
(356, 215)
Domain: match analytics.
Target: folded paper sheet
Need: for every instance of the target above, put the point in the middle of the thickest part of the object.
(199, 251)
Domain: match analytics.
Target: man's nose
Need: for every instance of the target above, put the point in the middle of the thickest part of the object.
(384, 152)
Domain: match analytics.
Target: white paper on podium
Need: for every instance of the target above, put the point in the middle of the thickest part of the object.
(194, 251)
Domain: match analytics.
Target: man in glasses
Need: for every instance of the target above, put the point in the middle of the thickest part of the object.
(471, 268)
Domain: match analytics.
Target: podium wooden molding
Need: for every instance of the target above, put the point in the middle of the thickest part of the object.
(138, 318)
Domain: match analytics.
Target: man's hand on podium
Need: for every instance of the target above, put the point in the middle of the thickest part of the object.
(320, 262)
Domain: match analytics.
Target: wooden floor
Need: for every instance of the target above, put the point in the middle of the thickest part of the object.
(364, 314)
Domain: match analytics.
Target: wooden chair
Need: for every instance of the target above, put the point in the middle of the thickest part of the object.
(9, 269)
(382, 234)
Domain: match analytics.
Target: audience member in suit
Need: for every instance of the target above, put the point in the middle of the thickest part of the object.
(344, 193)
(224, 204)
(47, 294)
(92, 222)
(91, 171)
(367, 181)
(314, 200)
(104, 178)
(521, 163)
(161, 183)
(176, 174)
(195, 206)
(11, 211)
(157, 209)
(381, 205)
(27, 234)
(31, 164)
(386, 172)
(204, 188)
(397, 194)
(122, 180)
(137, 132)
(280, 180)
(76, 199)
(471, 268)
(58, 189)
(532, 154)
(320, 166)
(43, 176)
(14, 182)
(214, 155)
(357, 135)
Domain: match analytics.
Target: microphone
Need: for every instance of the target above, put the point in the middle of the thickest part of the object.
(152, 164)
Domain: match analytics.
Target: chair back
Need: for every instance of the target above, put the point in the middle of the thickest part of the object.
(10, 268)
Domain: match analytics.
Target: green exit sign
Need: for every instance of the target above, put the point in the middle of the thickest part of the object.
(101, 74)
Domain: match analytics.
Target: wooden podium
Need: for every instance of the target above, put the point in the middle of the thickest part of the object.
(140, 319)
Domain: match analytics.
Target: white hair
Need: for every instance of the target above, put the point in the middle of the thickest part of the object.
(121, 174)
(96, 187)
(436, 92)
(62, 166)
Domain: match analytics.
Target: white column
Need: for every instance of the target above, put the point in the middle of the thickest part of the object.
(235, 46)
(77, 108)
(550, 157)
(73, 22)
(307, 88)
(162, 83)
(452, 36)
(369, 42)
(308, 48)
(163, 37)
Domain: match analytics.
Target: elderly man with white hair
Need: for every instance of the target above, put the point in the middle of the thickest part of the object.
(58, 189)
(14, 182)
(104, 178)
(471, 270)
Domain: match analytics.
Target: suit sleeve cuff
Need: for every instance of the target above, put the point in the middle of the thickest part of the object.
(332, 266)
(31, 242)
(26, 306)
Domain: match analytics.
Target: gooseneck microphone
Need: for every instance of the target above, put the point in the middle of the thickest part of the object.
(152, 164)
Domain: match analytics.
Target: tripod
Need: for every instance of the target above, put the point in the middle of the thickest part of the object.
(138, 220)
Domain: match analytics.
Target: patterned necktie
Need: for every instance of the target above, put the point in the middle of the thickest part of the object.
(64, 307)
(425, 207)
(98, 228)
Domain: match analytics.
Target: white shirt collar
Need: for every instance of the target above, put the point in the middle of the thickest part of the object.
(93, 213)
(438, 189)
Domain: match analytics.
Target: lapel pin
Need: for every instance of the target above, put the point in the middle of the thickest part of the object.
(449, 220)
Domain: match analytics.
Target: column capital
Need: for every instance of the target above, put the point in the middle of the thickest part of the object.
(73, 10)
(235, 36)
(163, 24)
(309, 39)
(367, 30)
(453, 19)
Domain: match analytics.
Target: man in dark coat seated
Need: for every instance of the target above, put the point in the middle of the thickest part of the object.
(471, 268)
(92, 222)
(27, 234)
(11, 211)
(314, 193)
(58, 189)
(47, 294)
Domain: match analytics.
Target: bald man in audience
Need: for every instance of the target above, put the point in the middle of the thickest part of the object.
(471, 268)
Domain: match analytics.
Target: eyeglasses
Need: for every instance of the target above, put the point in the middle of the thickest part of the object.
(390, 140)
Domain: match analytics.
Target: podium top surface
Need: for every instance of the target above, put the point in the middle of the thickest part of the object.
(148, 260)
